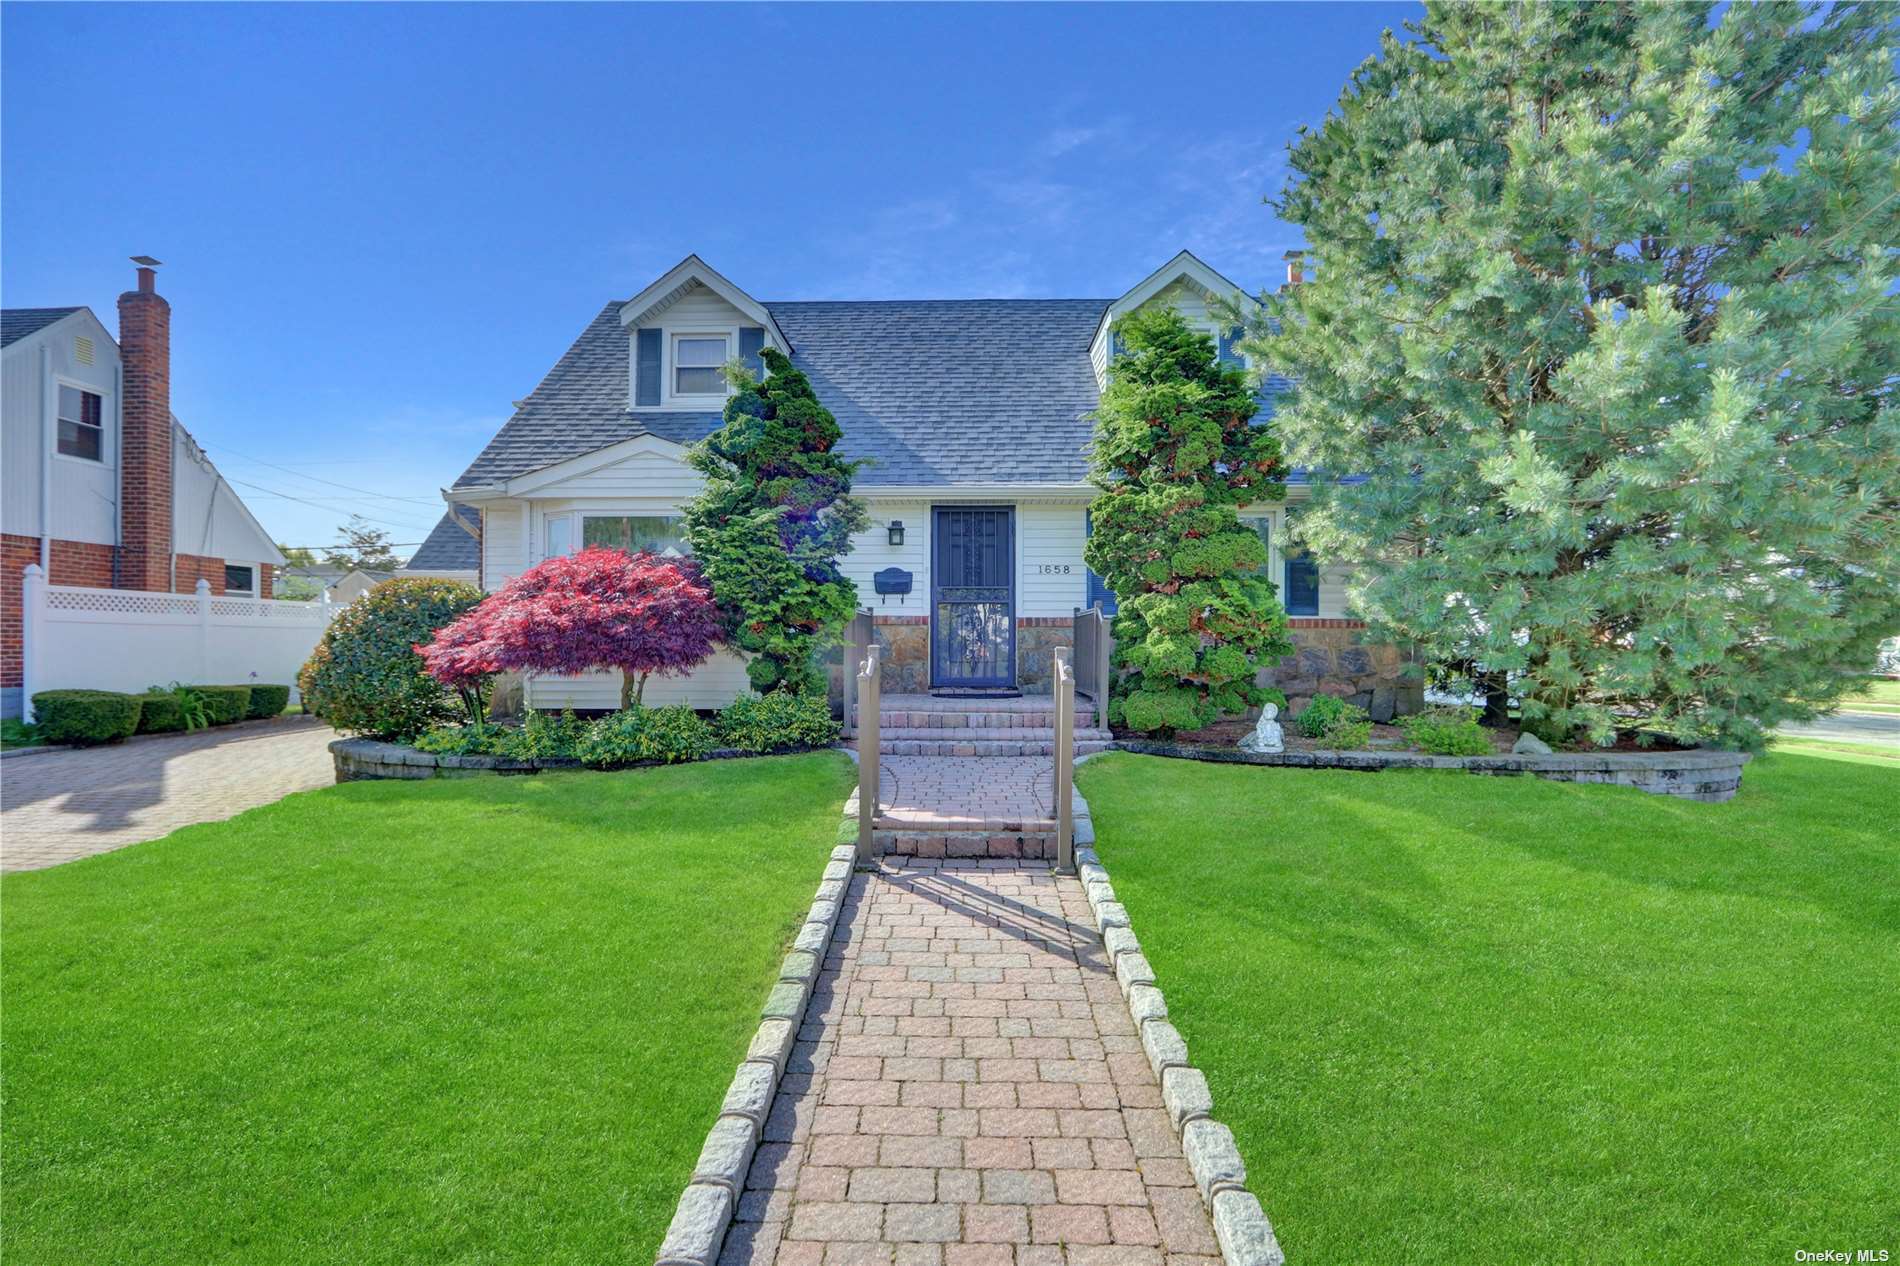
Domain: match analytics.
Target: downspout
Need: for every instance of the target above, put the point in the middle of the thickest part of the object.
(118, 468)
(49, 439)
(171, 477)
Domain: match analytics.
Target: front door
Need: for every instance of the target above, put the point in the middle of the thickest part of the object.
(973, 597)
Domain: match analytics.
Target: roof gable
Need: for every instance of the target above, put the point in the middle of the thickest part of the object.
(680, 279)
(1185, 266)
(19, 323)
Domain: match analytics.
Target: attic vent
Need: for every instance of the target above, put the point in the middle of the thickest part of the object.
(82, 349)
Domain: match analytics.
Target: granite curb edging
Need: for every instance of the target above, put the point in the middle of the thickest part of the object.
(1241, 1227)
(287, 720)
(706, 1207)
(363, 760)
(1701, 773)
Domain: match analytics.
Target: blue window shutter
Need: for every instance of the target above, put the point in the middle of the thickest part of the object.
(751, 342)
(1115, 347)
(1228, 356)
(1302, 584)
(1100, 595)
(646, 378)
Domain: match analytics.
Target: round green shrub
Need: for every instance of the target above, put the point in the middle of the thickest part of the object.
(776, 722)
(635, 735)
(1447, 732)
(225, 704)
(83, 718)
(161, 712)
(365, 677)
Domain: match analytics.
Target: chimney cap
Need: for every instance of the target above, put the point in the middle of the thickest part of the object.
(1294, 254)
(145, 261)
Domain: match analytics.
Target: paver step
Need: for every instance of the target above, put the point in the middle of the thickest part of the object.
(1028, 844)
(1032, 719)
(1027, 746)
(997, 734)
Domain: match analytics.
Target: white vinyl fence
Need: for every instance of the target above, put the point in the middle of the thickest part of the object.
(129, 639)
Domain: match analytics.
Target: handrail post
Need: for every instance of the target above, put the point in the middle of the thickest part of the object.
(1065, 762)
(868, 687)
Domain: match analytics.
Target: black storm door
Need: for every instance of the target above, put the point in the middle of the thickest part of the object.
(973, 597)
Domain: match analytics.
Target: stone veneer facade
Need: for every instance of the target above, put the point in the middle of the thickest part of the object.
(1332, 657)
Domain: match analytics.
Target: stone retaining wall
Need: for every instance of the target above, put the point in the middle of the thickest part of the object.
(364, 760)
(1336, 657)
(1700, 774)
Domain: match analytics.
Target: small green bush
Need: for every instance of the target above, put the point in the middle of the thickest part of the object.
(481, 739)
(225, 704)
(1320, 713)
(267, 701)
(632, 735)
(1348, 733)
(1447, 732)
(85, 717)
(545, 736)
(365, 677)
(777, 722)
(161, 712)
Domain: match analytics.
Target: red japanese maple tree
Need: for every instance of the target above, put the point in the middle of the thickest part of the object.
(600, 608)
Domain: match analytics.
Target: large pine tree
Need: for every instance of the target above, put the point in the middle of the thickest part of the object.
(1605, 304)
(774, 518)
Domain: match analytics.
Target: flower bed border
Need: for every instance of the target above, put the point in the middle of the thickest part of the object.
(1701, 773)
(368, 760)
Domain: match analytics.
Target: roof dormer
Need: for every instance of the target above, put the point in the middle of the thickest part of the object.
(683, 328)
(1190, 286)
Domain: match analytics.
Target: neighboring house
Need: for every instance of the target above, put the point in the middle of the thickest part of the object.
(339, 584)
(975, 418)
(101, 485)
(453, 550)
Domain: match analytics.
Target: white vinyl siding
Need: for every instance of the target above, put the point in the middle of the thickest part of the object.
(872, 552)
(1051, 579)
(85, 492)
(504, 545)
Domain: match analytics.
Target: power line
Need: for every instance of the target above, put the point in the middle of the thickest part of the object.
(332, 508)
(382, 496)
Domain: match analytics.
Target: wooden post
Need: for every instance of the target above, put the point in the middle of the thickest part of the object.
(867, 680)
(1065, 762)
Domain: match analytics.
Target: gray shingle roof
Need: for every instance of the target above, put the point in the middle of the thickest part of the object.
(933, 392)
(448, 547)
(17, 323)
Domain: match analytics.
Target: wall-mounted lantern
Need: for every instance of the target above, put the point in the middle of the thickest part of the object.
(897, 531)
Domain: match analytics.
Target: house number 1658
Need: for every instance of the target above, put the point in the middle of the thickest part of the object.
(1055, 569)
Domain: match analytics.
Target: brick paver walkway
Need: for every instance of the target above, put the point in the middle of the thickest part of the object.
(968, 1090)
(58, 806)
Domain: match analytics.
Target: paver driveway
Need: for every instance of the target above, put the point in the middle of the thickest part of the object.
(58, 806)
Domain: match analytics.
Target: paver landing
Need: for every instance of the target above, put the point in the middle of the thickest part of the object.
(968, 1090)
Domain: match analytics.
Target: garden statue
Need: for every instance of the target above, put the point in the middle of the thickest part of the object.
(1266, 732)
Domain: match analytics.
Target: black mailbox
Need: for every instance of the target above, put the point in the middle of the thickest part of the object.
(892, 580)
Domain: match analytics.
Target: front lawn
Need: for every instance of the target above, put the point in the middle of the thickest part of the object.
(1880, 694)
(1459, 1018)
(459, 1021)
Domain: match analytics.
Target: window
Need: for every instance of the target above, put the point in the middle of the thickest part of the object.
(81, 425)
(1261, 526)
(560, 536)
(240, 578)
(662, 533)
(696, 362)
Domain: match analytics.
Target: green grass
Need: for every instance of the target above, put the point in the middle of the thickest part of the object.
(486, 1020)
(1879, 695)
(1865, 752)
(1453, 1018)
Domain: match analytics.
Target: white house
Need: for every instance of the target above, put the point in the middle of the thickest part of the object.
(975, 417)
(100, 484)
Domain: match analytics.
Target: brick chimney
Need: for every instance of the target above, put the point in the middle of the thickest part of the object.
(1295, 267)
(145, 442)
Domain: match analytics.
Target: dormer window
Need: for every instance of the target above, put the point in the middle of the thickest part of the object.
(696, 362)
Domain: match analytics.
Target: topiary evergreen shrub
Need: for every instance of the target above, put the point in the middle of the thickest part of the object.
(1176, 456)
(267, 701)
(83, 718)
(365, 676)
(161, 712)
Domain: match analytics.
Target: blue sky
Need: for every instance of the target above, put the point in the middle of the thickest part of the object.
(383, 223)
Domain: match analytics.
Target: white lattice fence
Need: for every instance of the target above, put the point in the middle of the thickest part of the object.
(121, 639)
